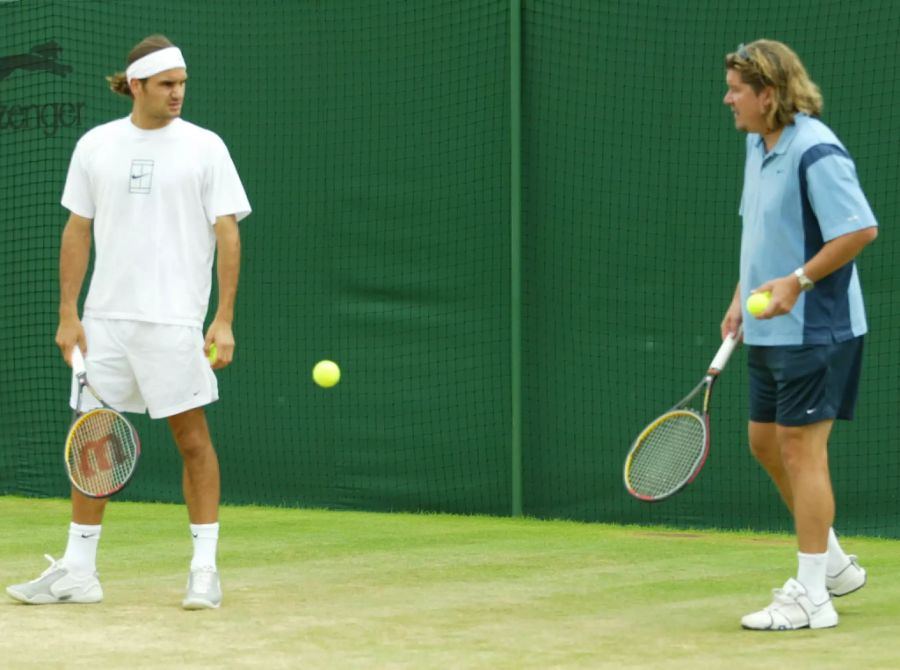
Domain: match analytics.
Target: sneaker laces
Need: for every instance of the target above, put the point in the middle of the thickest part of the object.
(54, 565)
(779, 597)
(784, 596)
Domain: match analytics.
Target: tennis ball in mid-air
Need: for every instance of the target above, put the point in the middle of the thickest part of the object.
(326, 374)
(757, 302)
(213, 354)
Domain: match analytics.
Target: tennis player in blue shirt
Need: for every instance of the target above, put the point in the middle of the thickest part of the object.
(805, 219)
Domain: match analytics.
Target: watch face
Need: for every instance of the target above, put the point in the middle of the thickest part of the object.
(805, 282)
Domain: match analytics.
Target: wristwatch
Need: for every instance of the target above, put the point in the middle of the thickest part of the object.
(806, 283)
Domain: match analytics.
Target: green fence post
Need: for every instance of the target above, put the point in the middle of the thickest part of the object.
(515, 241)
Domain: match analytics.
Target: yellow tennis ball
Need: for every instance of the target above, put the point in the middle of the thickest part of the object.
(757, 302)
(213, 354)
(326, 374)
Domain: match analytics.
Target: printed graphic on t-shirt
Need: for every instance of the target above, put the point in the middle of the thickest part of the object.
(141, 177)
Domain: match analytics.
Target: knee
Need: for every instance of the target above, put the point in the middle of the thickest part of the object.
(191, 434)
(192, 443)
(799, 452)
(764, 451)
(763, 443)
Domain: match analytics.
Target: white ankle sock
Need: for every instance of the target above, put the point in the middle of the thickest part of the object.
(206, 538)
(811, 573)
(81, 550)
(837, 559)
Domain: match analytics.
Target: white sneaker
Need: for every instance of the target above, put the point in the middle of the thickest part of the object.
(58, 585)
(204, 590)
(851, 578)
(791, 609)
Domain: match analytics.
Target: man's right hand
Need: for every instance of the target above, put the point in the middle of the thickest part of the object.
(733, 319)
(69, 333)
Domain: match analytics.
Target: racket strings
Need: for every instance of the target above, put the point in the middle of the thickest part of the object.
(102, 452)
(666, 456)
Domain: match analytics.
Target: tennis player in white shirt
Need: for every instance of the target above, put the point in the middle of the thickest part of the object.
(160, 198)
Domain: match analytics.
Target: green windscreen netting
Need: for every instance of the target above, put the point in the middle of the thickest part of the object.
(633, 177)
(373, 139)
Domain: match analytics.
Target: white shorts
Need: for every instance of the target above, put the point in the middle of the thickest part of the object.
(137, 366)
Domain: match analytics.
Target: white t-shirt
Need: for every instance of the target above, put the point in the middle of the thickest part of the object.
(154, 196)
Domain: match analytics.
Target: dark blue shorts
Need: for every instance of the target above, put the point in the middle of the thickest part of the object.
(800, 385)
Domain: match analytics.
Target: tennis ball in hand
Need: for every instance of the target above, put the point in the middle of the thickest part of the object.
(757, 302)
(326, 374)
(213, 354)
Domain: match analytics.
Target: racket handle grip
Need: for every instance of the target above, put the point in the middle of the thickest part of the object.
(725, 351)
(77, 361)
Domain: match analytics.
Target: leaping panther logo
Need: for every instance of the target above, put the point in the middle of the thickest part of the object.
(42, 57)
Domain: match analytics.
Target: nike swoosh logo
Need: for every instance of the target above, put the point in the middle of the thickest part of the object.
(88, 536)
(810, 411)
(195, 535)
(136, 176)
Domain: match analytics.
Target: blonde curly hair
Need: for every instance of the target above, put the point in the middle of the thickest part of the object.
(771, 63)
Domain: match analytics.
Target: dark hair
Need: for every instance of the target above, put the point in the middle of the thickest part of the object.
(118, 82)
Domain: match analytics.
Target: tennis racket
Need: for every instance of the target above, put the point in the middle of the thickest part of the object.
(102, 447)
(670, 452)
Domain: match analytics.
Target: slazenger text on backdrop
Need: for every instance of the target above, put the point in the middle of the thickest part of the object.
(48, 116)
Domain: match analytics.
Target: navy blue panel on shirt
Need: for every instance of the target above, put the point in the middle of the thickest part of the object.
(827, 309)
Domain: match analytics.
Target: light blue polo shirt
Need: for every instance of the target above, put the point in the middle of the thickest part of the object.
(796, 198)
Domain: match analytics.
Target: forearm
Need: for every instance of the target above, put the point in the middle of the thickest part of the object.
(228, 264)
(836, 253)
(731, 323)
(74, 254)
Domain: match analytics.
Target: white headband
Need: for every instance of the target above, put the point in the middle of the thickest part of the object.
(154, 63)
